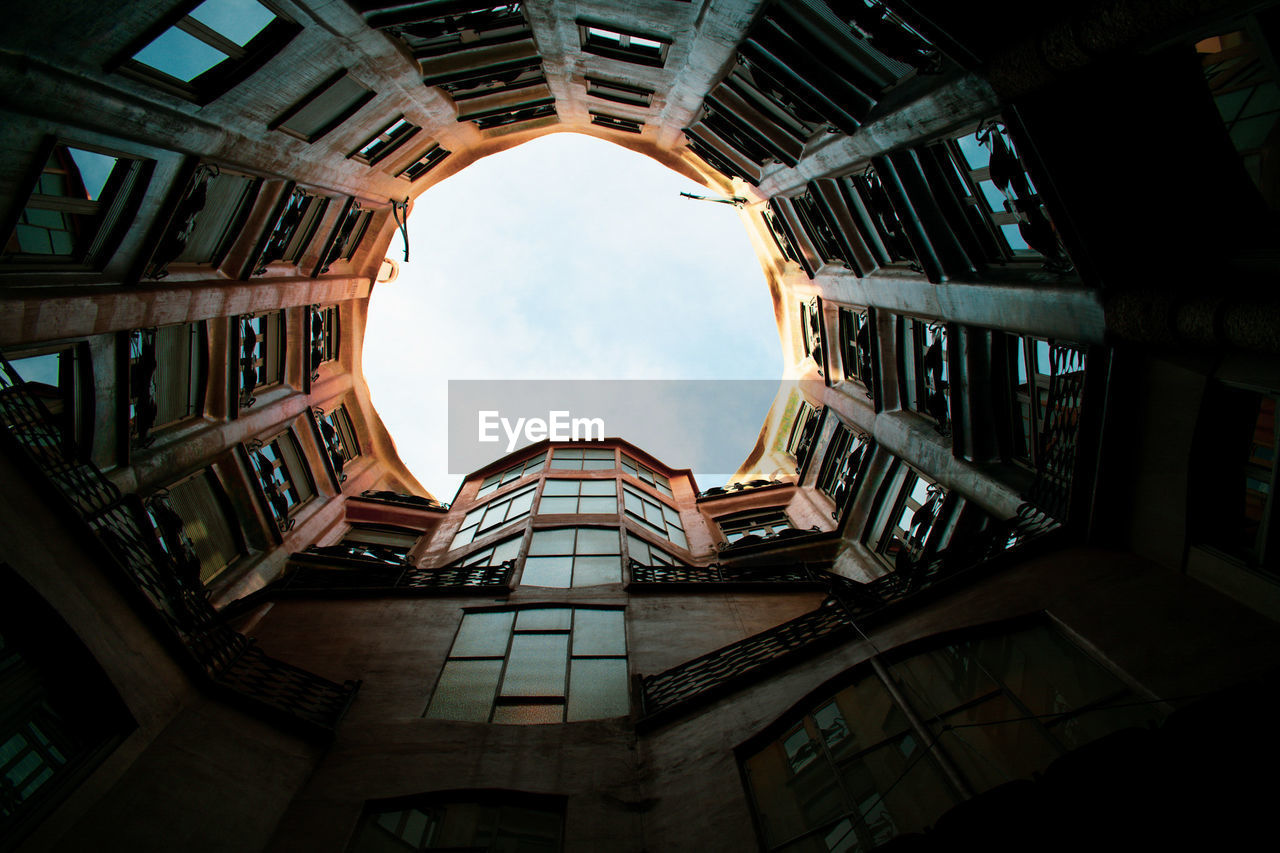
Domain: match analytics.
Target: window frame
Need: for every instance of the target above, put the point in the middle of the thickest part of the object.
(573, 555)
(623, 50)
(301, 480)
(274, 335)
(428, 160)
(197, 363)
(294, 226)
(858, 358)
(537, 462)
(665, 510)
(240, 64)
(578, 496)
(469, 531)
(743, 524)
(619, 93)
(391, 138)
(615, 122)
(281, 123)
(221, 500)
(924, 384)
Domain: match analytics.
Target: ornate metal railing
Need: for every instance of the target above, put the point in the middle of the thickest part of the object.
(319, 571)
(400, 499)
(848, 603)
(1056, 458)
(717, 574)
(731, 488)
(225, 658)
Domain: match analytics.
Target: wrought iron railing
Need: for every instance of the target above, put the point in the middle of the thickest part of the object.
(731, 488)
(848, 603)
(718, 574)
(319, 571)
(225, 658)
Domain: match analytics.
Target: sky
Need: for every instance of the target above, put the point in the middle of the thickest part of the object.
(564, 258)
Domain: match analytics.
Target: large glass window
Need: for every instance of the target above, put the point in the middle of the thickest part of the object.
(843, 463)
(573, 556)
(625, 46)
(535, 665)
(210, 48)
(583, 459)
(385, 142)
(283, 475)
(646, 474)
(493, 482)
(294, 229)
(655, 515)
(493, 515)
(760, 525)
(909, 520)
(648, 555)
(472, 821)
(853, 770)
(82, 200)
(165, 381)
(494, 555)
(58, 379)
(579, 496)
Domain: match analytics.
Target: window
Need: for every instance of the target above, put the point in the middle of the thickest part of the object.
(811, 330)
(502, 116)
(494, 555)
(207, 221)
(619, 93)
(194, 525)
(804, 429)
(1035, 364)
(490, 80)
(385, 142)
(80, 205)
(616, 122)
(474, 821)
(1237, 67)
(648, 555)
(656, 516)
(493, 482)
(886, 236)
(59, 379)
(283, 475)
(988, 177)
(583, 459)
(909, 522)
(857, 355)
(380, 542)
(346, 235)
(166, 378)
(59, 715)
(440, 28)
(923, 376)
(323, 332)
(495, 514)
(579, 496)
(326, 107)
(761, 525)
(535, 665)
(625, 46)
(646, 474)
(847, 453)
(339, 438)
(818, 228)
(425, 163)
(210, 48)
(859, 767)
(573, 556)
(295, 227)
(261, 360)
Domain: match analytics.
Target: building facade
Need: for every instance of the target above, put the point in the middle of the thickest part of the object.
(998, 569)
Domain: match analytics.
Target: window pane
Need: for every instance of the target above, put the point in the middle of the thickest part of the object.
(558, 541)
(547, 571)
(560, 487)
(599, 632)
(553, 505)
(483, 635)
(465, 690)
(544, 619)
(94, 170)
(536, 665)
(598, 689)
(179, 55)
(520, 504)
(593, 541)
(599, 487)
(237, 20)
(528, 715)
(592, 571)
(607, 505)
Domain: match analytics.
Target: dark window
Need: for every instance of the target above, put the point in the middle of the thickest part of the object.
(380, 542)
(804, 431)
(847, 455)
(616, 122)
(565, 557)
(857, 356)
(489, 80)
(324, 336)
(59, 715)
(535, 665)
(385, 142)
(425, 163)
(326, 107)
(811, 331)
(886, 236)
(283, 475)
(59, 378)
(261, 353)
(502, 116)
(80, 203)
(214, 206)
(166, 378)
(908, 523)
(339, 437)
(294, 230)
(1239, 68)
(205, 49)
(626, 46)
(750, 527)
(347, 235)
(859, 766)
(194, 525)
(441, 27)
(621, 93)
(923, 376)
